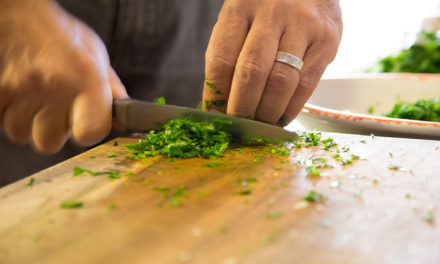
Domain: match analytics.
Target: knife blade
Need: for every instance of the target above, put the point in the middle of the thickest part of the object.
(138, 116)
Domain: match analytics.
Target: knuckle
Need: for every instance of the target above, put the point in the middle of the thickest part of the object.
(280, 80)
(234, 9)
(250, 70)
(218, 65)
(330, 34)
(312, 76)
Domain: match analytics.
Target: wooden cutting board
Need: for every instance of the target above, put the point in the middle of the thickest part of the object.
(240, 212)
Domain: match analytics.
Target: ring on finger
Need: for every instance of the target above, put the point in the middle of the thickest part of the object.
(290, 60)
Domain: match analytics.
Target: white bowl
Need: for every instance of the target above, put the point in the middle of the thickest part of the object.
(341, 105)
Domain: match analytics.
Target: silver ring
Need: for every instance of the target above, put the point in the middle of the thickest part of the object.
(289, 59)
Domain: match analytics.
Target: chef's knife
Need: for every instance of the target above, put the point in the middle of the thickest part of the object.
(139, 116)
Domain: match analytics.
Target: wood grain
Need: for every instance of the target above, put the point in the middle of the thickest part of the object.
(375, 215)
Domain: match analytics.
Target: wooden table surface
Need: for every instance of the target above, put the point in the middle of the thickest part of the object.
(371, 214)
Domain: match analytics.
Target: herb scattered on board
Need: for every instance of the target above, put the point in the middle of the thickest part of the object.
(71, 204)
(160, 100)
(31, 182)
(313, 196)
(112, 174)
(273, 214)
(429, 217)
(174, 195)
(112, 206)
(213, 164)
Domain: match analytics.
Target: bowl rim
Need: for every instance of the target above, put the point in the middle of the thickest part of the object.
(386, 76)
(349, 116)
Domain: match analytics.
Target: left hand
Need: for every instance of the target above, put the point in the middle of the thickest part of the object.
(242, 76)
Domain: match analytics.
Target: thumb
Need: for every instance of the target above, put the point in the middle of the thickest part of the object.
(117, 88)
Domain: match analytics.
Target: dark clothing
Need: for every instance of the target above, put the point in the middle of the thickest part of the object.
(156, 47)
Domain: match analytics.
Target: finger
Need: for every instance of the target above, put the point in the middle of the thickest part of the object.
(315, 62)
(19, 114)
(91, 112)
(224, 47)
(282, 81)
(50, 127)
(118, 89)
(5, 100)
(252, 68)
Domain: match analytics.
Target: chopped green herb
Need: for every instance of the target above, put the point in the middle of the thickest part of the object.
(370, 110)
(328, 143)
(111, 155)
(421, 57)
(313, 170)
(199, 105)
(363, 141)
(78, 170)
(185, 139)
(209, 84)
(128, 174)
(115, 143)
(112, 206)
(207, 103)
(394, 167)
(180, 191)
(71, 204)
(273, 214)
(283, 121)
(429, 217)
(31, 182)
(375, 181)
(319, 160)
(175, 202)
(313, 196)
(223, 229)
(112, 174)
(346, 161)
(147, 183)
(92, 157)
(160, 100)
(219, 103)
(162, 188)
(244, 192)
(213, 164)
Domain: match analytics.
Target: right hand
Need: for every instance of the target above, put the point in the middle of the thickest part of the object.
(55, 77)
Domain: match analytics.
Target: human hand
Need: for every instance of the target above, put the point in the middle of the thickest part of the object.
(239, 63)
(55, 77)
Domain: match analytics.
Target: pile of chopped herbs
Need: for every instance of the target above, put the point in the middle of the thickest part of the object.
(426, 110)
(422, 57)
(181, 138)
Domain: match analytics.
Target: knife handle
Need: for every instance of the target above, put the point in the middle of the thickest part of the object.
(119, 113)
